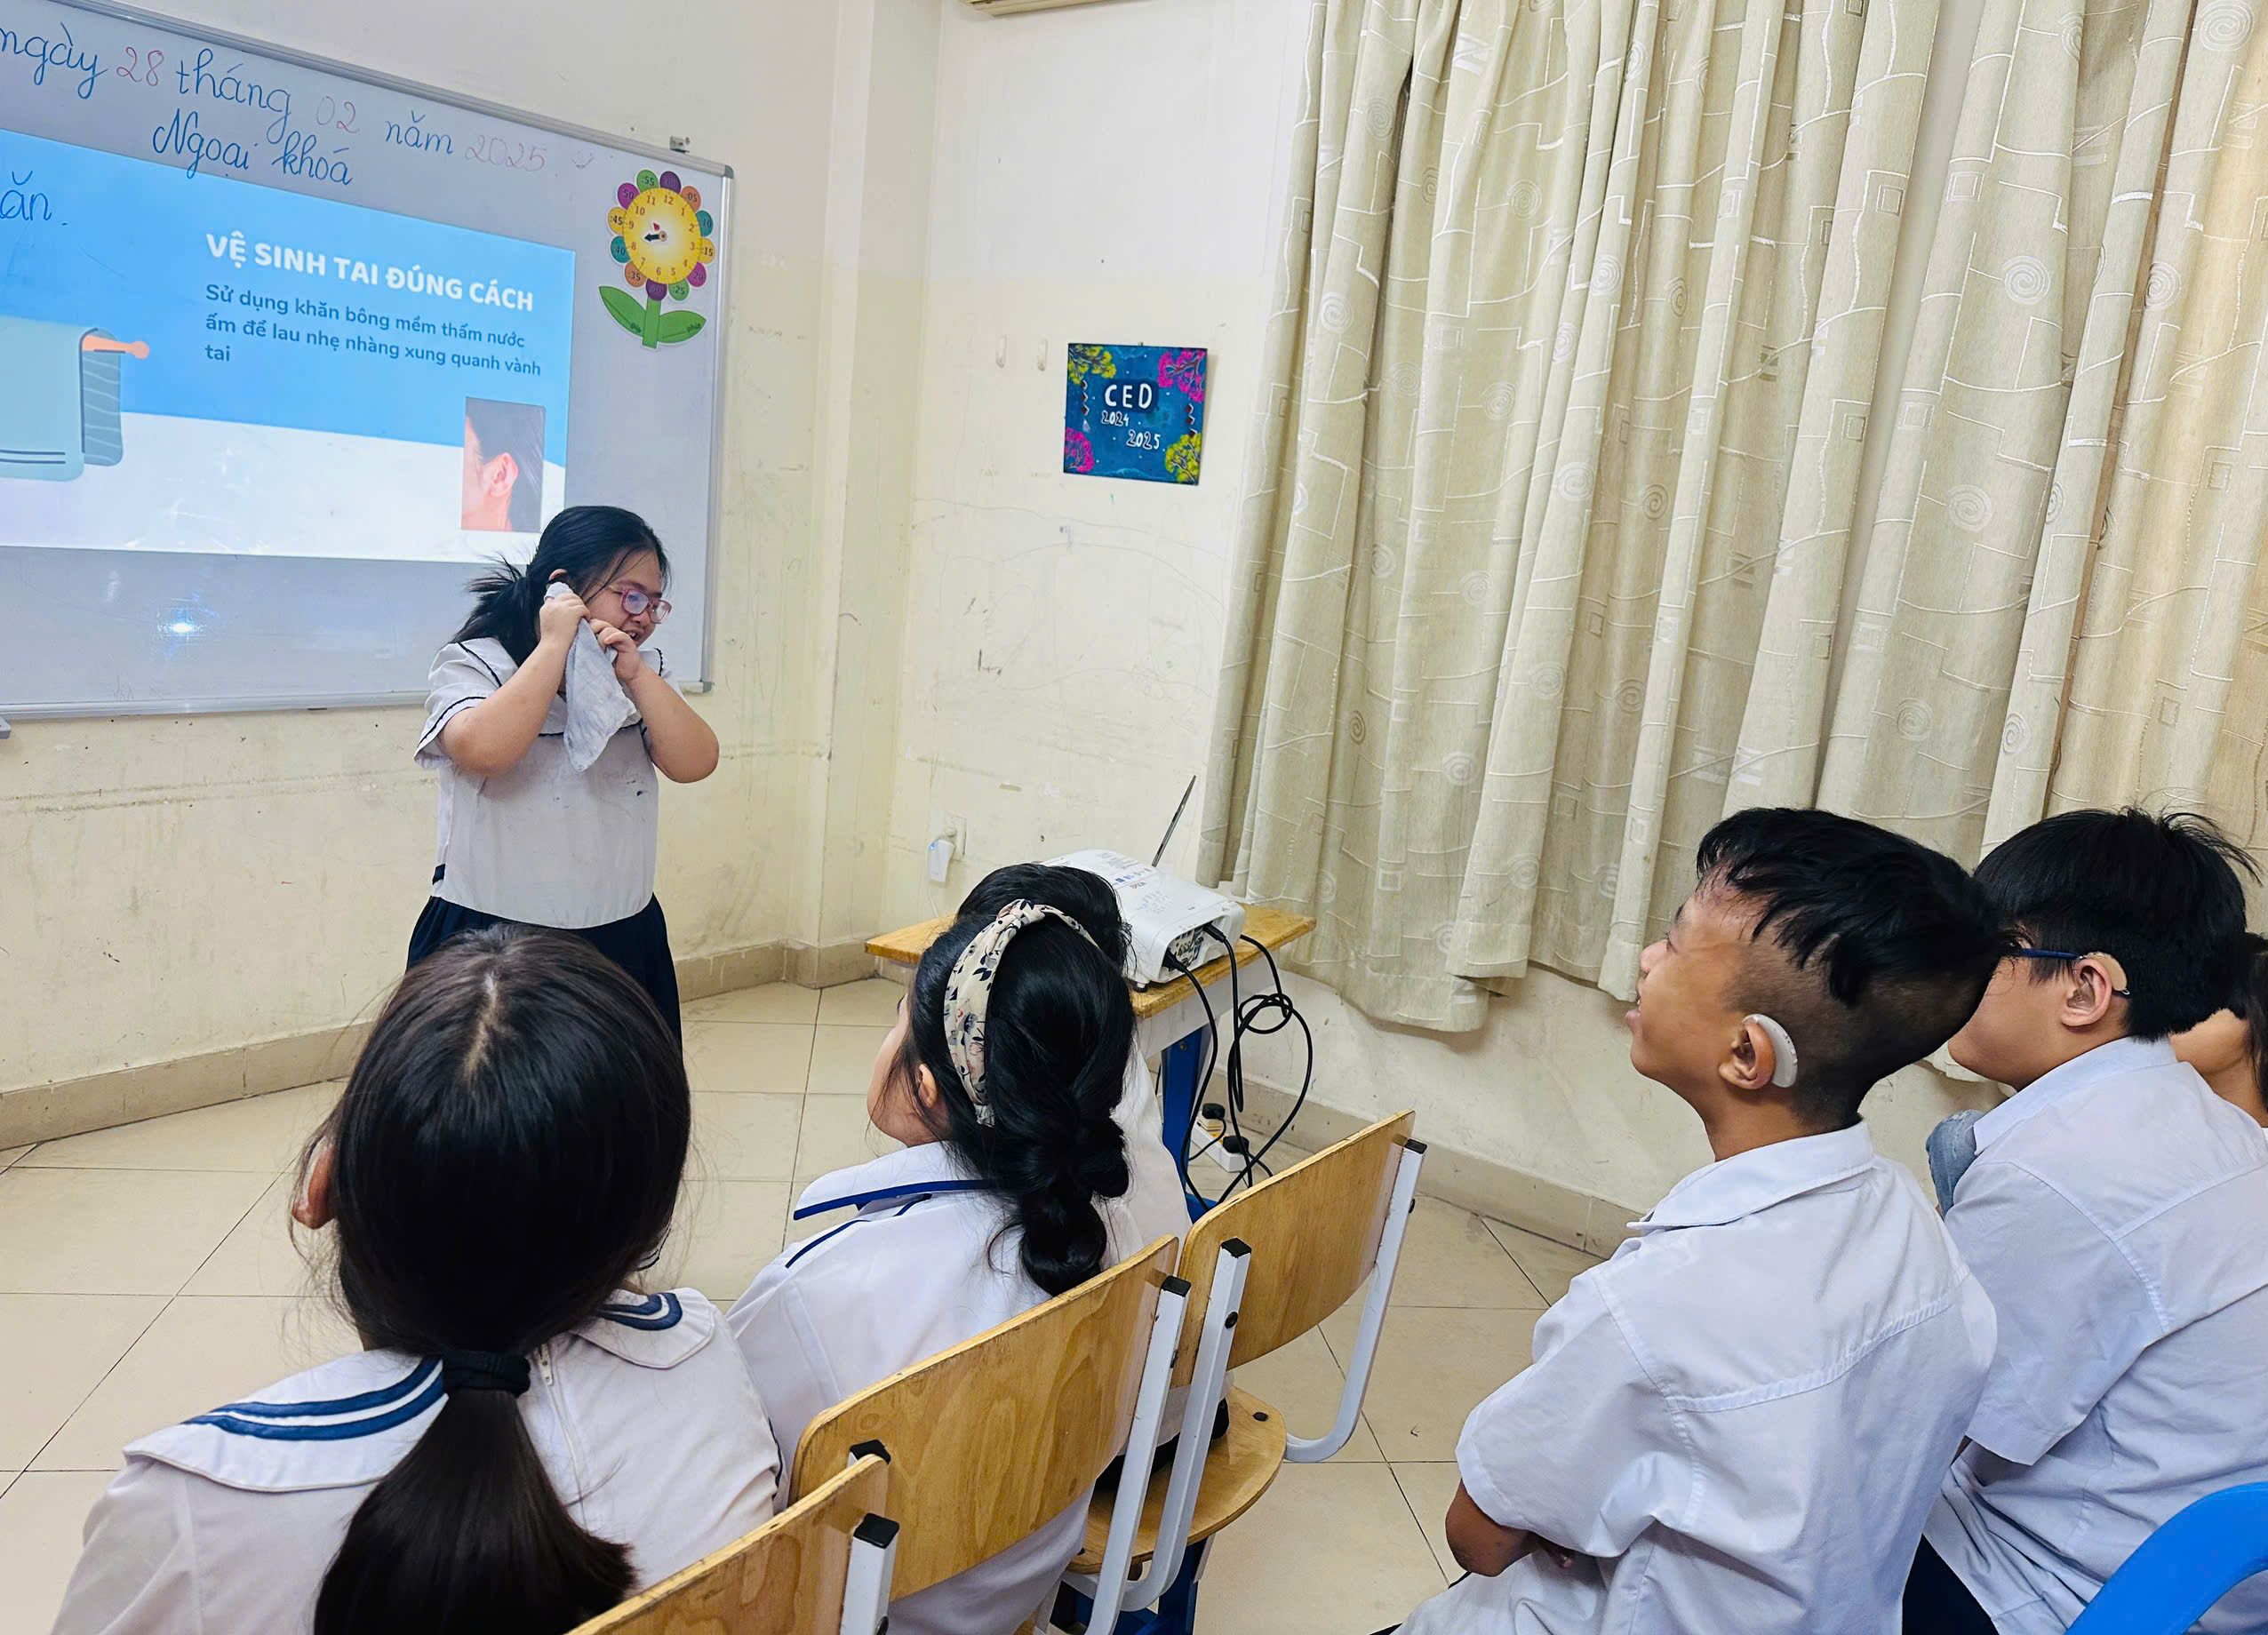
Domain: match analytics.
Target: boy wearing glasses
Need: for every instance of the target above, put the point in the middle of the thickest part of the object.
(2114, 1208)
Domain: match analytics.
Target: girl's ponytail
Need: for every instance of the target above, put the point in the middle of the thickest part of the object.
(467, 1533)
(506, 602)
(1057, 1033)
(1058, 1155)
(589, 544)
(505, 1157)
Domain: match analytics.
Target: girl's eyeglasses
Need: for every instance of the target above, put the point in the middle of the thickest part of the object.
(637, 602)
(2058, 954)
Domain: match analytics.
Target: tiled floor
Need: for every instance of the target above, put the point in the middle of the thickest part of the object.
(149, 1273)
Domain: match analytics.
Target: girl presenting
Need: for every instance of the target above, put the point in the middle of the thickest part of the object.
(530, 831)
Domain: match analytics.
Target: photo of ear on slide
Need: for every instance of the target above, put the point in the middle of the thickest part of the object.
(503, 474)
(61, 413)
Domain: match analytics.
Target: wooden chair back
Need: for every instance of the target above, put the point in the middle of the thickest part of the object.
(993, 1438)
(1314, 1232)
(785, 1578)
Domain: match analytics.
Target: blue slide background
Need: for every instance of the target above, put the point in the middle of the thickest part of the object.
(123, 245)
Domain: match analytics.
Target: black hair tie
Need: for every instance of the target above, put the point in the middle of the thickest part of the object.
(483, 1371)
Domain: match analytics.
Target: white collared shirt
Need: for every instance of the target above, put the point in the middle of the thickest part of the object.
(643, 1417)
(1742, 1417)
(1153, 1200)
(2117, 1212)
(922, 1266)
(542, 843)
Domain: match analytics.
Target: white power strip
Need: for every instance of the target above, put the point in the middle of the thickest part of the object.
(1202, 1135)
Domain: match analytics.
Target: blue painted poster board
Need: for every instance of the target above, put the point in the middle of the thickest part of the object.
(1134, 411)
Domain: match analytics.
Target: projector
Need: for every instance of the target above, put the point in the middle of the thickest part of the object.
(1164, 915)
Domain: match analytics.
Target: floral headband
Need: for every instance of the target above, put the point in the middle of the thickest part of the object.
(968, 992)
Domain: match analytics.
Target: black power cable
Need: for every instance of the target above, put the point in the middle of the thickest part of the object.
(1263, 1013)
(1197, 1094)
(1280, 1004)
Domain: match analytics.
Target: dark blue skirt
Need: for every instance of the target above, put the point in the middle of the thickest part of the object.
(639, 944)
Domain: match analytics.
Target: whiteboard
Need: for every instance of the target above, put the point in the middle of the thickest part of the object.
(289, 351)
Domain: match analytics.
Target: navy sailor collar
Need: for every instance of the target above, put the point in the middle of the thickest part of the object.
(909, 1172)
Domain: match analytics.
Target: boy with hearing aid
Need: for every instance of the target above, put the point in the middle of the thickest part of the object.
(1739, 1422)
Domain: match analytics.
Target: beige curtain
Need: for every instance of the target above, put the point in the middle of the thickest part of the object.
(2060, 606)
(1569, 382)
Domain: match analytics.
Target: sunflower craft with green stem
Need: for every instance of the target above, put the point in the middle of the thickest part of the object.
(661, 239)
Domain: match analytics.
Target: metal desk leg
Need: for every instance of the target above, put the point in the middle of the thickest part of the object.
(1179, 1066)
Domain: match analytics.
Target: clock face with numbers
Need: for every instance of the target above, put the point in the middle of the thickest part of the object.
(662, 231)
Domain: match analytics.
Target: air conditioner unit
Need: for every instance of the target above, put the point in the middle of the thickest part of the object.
(1002, 8)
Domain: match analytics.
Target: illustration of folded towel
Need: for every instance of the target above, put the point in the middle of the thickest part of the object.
(597, 708)
(61, 412)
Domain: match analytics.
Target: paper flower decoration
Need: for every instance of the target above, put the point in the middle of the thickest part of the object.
(662, 242)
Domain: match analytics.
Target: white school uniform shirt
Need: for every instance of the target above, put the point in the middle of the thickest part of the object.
(643, 1417)
(542, 843)
(2117, 1212)
(1743, 1416)
(1153, 1197)
(922, 1266)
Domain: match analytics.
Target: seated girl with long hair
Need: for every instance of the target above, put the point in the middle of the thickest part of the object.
(1002, 1077)
(525, 1437)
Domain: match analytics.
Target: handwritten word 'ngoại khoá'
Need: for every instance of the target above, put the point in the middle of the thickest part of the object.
(57, 52)
(296, 156)
(237, 250)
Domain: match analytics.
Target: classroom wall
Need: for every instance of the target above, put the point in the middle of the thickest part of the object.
(1104, 174)
(184, 885)
(1113, 173)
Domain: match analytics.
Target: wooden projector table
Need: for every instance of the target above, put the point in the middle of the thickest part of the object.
(1171, 1019)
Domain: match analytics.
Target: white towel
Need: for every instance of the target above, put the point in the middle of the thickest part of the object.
(597, 707)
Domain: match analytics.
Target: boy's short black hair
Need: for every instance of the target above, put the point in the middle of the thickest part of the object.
(1888, 947)
(1087, 897)
(2162, 896)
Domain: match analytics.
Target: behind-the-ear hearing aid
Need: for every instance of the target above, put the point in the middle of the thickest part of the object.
(1783, 1048)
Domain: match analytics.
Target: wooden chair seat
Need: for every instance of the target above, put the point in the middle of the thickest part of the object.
(1239, 1468)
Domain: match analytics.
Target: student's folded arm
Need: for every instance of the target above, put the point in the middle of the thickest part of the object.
(2069, 1319)
(1577, 1450)
(1478, 1541)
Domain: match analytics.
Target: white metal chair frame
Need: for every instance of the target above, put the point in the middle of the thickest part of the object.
(1109, 1586)
(865, 1587)
(1112, 1589)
